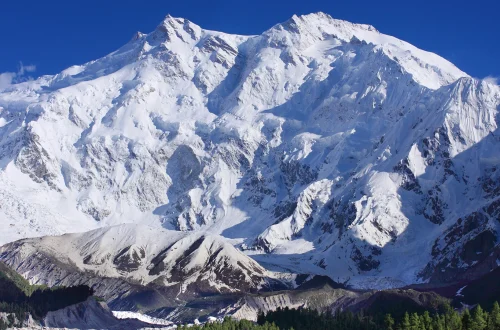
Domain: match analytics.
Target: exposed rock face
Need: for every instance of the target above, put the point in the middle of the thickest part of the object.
(89, 315)
(140, 268)
(322, 298)
(318, 147)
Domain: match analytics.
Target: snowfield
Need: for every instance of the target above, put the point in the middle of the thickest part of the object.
(318, 147)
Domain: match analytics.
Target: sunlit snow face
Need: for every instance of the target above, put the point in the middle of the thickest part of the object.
(322, 145)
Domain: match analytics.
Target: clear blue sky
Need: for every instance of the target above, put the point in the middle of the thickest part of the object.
(55, 34)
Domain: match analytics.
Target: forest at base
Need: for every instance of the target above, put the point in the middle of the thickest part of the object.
(310, 319)
(389, 311)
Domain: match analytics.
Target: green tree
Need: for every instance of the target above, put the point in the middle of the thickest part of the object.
(466, 320)
(426, 321)
(414, 322)
(438, 322)
(454, 321)
(494, 317)
(479, 319)
(388, 322)
(405, 323)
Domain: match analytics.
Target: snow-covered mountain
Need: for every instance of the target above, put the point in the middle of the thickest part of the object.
(318, 147)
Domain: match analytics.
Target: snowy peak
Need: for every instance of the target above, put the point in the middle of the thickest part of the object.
(317, 21)
(304, 31)
(319, 146)
(136, 36)
(301, 36)
(171, 28)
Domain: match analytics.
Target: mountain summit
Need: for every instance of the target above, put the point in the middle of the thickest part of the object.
(318, 147)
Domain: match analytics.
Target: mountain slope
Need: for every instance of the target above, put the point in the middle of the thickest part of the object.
(318, 147)
(136, 267)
